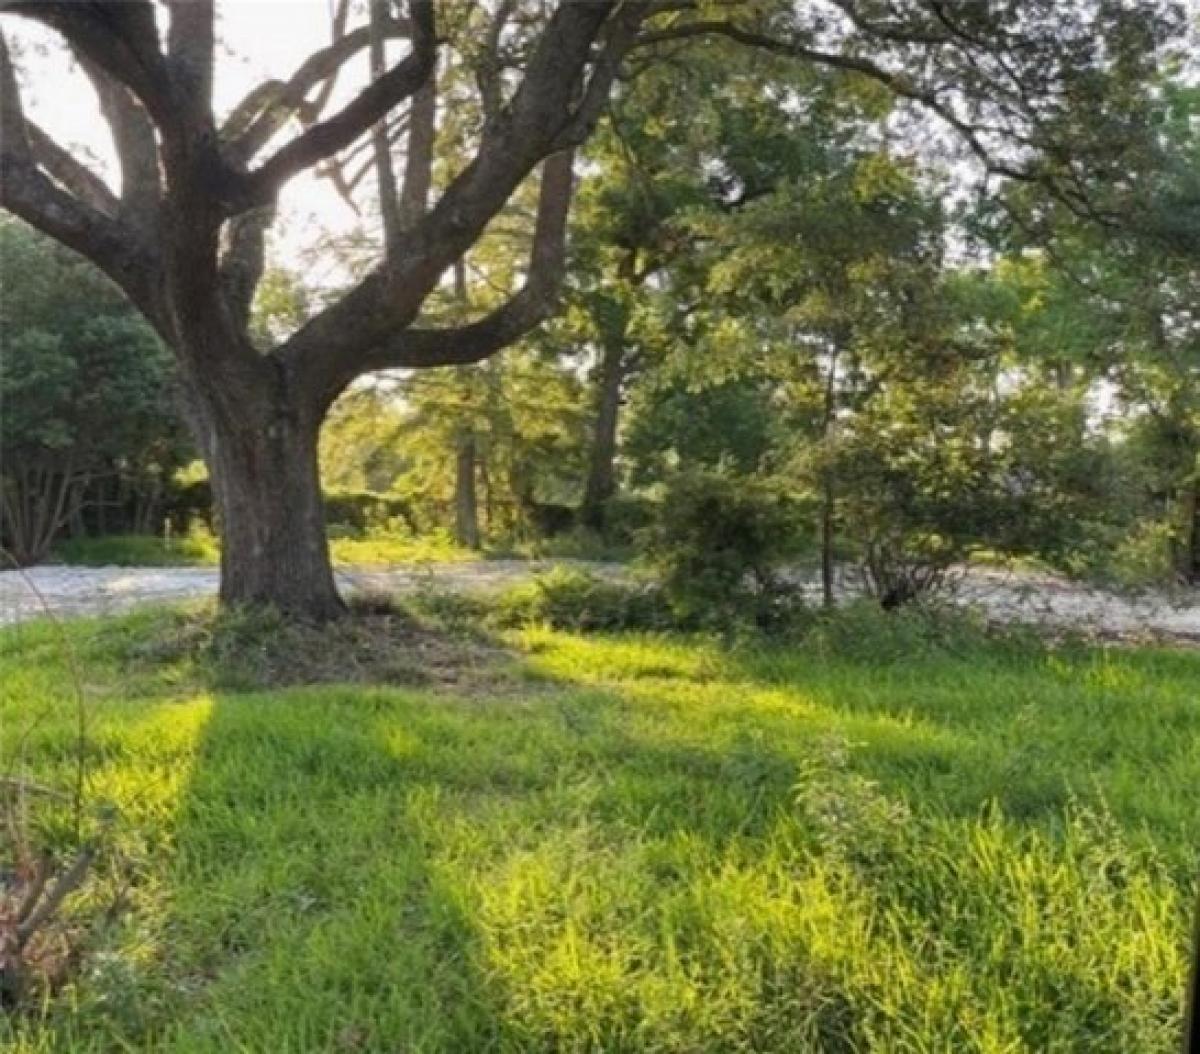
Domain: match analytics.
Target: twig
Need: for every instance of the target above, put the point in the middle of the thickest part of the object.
(66, 883)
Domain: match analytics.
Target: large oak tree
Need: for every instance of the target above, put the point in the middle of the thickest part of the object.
(184, 234)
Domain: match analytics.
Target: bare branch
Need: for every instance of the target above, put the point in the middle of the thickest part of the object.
(270, 105)
(418, 161)
(71, 173)
(389, 201)
(311, 109)
(120, 38)
(327, 137)
(64, 886)
(29, 193)
(345, 183)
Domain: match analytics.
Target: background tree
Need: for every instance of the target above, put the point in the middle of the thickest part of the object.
(184, 236)
(87, 417)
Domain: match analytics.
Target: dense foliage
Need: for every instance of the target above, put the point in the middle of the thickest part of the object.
(89, 430)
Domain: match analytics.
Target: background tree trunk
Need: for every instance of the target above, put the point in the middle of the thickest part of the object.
(466, 506)
(601, 481)
(1191, 569)
(828, 496)
(827, 566)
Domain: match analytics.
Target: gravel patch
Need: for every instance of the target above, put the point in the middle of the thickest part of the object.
(72, 591)
(1003, 596)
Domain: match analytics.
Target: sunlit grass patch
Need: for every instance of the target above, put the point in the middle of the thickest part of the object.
(656, 844)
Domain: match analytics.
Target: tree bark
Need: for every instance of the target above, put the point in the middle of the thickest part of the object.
(827, 565)
(1191, 557)
(466, 506)
(261, 452)
(828, 496)
(602, 478)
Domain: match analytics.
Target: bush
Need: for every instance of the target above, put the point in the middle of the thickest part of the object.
(196, 547)
(566, 598)
(626, 517)
(863, 631)
(188, 504)
(1146, 556)
(718, 542)
(354, 512)
(581, 543)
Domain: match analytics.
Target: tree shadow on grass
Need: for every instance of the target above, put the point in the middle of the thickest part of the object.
(573, 866)
(305, 914)
(330, 846)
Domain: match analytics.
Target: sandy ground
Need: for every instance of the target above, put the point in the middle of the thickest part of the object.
(1008, 597)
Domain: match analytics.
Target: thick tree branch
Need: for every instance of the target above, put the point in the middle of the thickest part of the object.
(137, 149)
(329, 350)
(81, 181)
(30, 193)
(621, 35)
(243, 262)
(120, 38)
(529, 307)
(190, 42)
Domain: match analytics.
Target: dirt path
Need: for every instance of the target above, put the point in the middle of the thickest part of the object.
(1009, 597)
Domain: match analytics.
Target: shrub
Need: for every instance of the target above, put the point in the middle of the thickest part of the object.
(717, 542)
(567, 598)
(355, 512)
(626, 516)
(196, 546)
(188, 504)
(1146, 556)
(582, 543)
(863, 631)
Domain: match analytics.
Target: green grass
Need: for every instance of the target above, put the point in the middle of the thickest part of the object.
(138, 550)
(399, 550)
(647, 845)
(202, 550)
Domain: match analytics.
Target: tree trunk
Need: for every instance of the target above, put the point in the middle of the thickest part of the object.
(601, 479)
(828, 497)
(262, 461)
(1191, 558)
(827, 569)
(466, 507)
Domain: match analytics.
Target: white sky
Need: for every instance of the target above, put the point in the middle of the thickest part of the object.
(259, 39)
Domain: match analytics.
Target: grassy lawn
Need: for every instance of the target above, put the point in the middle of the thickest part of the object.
(141, 550)
(628, 844)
